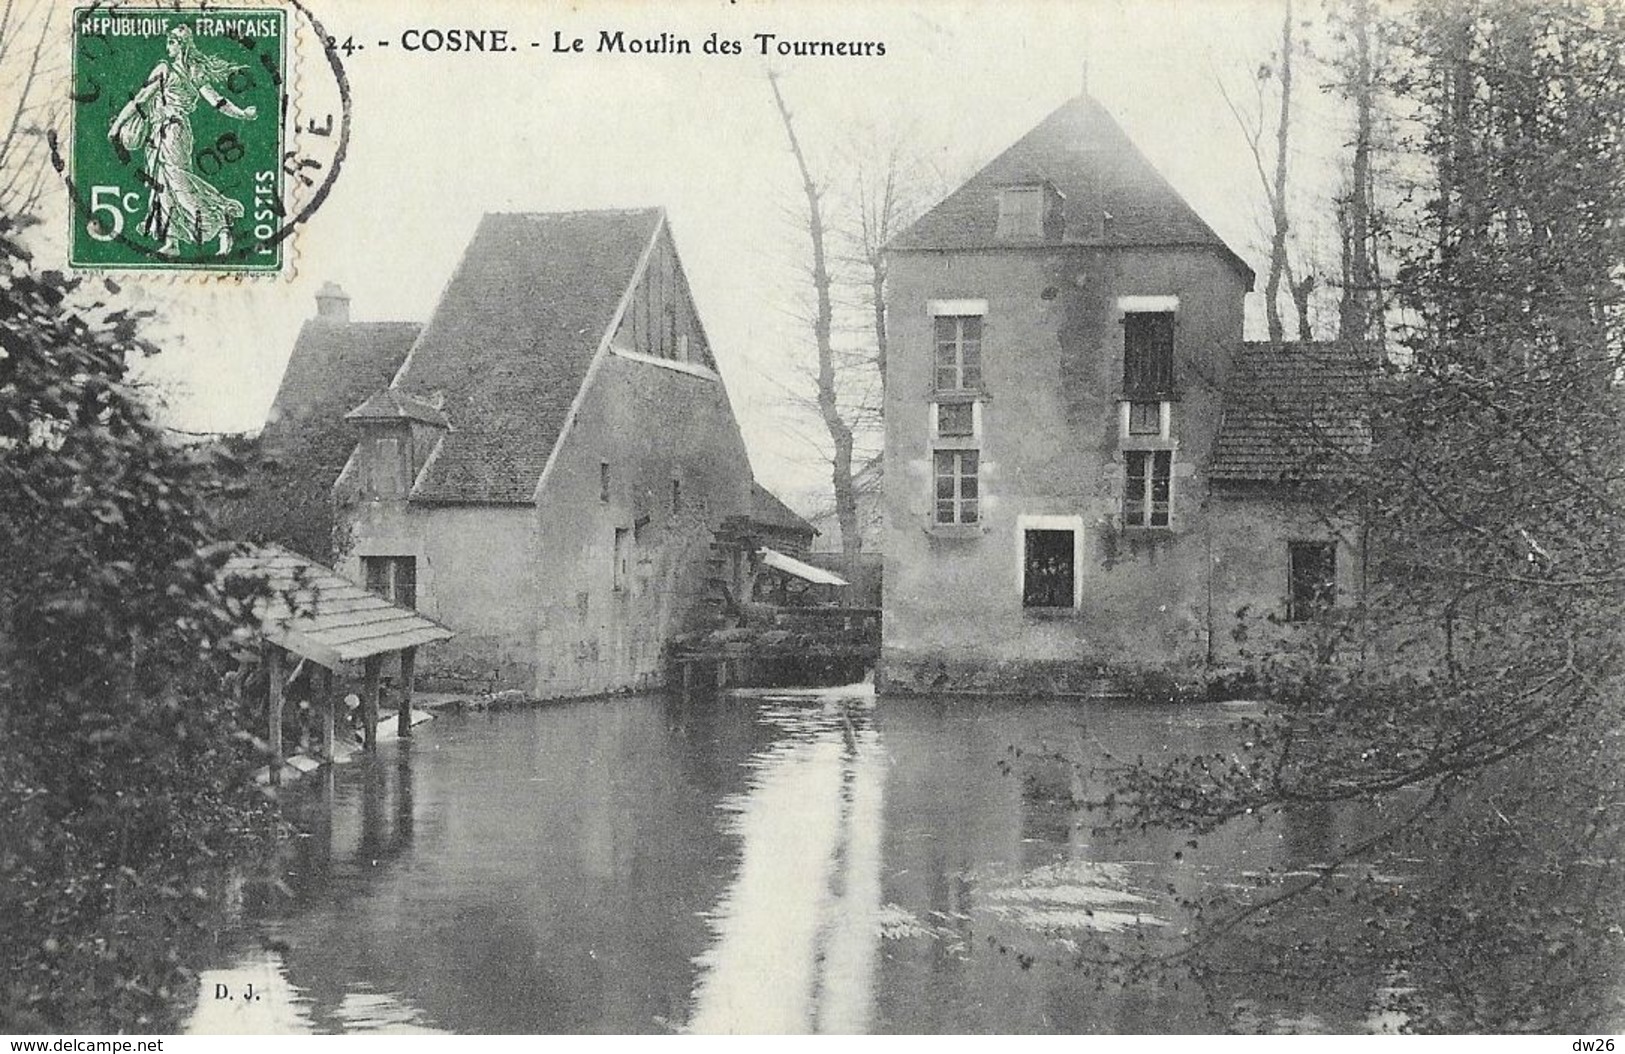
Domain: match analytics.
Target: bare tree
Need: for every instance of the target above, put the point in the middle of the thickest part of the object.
(1277, 195)
(1354, 315)
(1274, 184)
(823, 321)
(25, 30)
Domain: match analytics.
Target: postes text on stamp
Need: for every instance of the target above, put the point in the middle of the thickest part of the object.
(178, 138)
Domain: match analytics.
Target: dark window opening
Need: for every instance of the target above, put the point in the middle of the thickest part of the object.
(959, 352)
(957, 490)
(1147, 491)
(1048, 563)
(622, 557)
(1311, 579)
(393, 577)
(956, 419)
(1144, 419)
(1148, 353)
(676, 497)
(603, 482)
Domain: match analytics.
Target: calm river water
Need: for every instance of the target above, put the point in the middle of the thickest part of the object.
(771, 863)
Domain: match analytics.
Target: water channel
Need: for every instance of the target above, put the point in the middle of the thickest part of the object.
(796, 862)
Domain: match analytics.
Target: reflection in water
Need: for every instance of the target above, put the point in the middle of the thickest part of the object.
(795, 932)
(795, 862)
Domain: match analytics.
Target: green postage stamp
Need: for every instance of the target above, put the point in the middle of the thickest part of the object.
(178, 139)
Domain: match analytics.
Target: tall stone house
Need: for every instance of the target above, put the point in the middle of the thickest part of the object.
(544, 465)
(1087, 469)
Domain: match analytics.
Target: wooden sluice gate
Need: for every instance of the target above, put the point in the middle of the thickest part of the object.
(786, 647)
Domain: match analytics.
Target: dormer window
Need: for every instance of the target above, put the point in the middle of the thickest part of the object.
(1021, 212)
(1028, 212)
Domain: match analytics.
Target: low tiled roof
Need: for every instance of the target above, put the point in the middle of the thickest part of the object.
(768, 510)
(1294, 412)
(333, 367)
(510, 342)
(315, 612)
(388, 404)
(1082, 152)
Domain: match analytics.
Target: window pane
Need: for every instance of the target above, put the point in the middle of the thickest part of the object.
(971, 328)
(967, 487)
(956, 419)
(945, 512)
(1148, 353)
(1144, 419)
(967, 462)
(967, 512)
(945, 488)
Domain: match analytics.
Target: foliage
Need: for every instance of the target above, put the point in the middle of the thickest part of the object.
(123, 761)
(287, 504)
(1473, 697)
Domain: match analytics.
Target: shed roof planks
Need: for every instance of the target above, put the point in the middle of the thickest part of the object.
(319, 614)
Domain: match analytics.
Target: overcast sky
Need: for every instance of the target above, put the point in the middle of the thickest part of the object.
(439, 140)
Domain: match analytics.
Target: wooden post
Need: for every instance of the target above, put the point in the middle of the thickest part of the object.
(326, 702)
(273, 679)
(409, 666)
(369, 704)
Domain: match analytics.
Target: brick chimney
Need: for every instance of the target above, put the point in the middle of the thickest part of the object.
(332, 303)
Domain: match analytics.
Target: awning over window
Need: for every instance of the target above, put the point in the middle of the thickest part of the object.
(791, 566)
(331, 619)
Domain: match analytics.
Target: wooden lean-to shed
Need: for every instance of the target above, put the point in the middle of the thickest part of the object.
(324, 618)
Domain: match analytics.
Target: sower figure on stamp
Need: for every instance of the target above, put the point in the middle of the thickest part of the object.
(182, 205)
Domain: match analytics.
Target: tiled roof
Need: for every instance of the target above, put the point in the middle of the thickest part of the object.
(510, 342)
(767, 509)
(388, 404)
(1082, 152)
(315, 612)
(1294, 412)
(334, 366)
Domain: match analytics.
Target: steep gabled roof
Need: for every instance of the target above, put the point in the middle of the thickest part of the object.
(511, 340)
(1294, 412)
(335, 364)
(1081, 152)
(767, 509)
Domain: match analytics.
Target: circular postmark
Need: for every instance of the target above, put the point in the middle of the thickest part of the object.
(202, 135)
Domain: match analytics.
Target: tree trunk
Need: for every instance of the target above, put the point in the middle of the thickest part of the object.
(1278, 264)
(840, 433)
(1354, 309)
